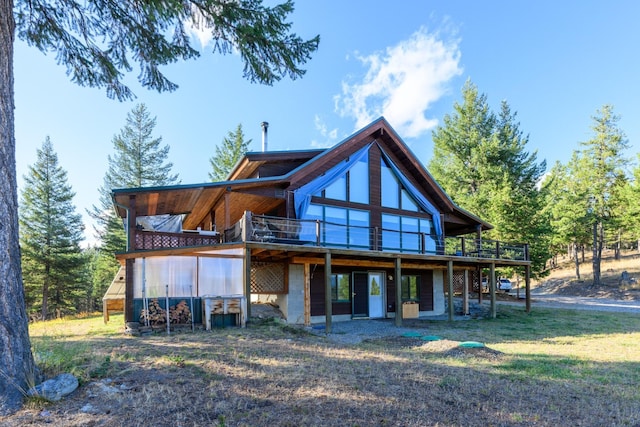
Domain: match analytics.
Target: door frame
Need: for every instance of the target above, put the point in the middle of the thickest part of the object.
(357, 299)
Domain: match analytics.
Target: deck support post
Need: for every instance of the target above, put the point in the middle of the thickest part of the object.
(247, 281)
(527, 288)
(450, 289)
(492, 289)
(398, 273)
(465, 293)
(327, 292)
(307, 294)
(128, 291)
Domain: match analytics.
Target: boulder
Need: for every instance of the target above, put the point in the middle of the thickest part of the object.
(55, 388)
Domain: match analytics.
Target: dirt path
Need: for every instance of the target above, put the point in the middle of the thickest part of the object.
(584, 303)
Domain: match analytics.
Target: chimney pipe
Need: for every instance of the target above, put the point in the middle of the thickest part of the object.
(265, 126)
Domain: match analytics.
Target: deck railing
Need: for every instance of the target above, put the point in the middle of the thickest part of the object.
(269, 229)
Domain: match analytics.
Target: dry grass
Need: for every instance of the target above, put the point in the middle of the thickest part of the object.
(545, 368)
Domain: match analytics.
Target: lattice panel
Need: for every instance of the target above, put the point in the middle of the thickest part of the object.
(268, 278)
(458, 281)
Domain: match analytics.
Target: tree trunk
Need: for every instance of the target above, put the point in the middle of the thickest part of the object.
(618, 246)
(17, 368)
(597, 253)
(576, 260)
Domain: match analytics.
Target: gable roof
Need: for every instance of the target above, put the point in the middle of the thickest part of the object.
(259, 179)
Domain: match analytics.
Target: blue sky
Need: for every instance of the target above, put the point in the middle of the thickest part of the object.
(555, 63)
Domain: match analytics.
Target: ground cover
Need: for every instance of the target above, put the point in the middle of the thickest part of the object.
(549, 367)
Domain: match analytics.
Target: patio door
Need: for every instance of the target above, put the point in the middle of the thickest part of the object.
(368, 294)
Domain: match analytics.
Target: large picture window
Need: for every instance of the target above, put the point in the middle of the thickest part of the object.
(407, 234)
(339, 226)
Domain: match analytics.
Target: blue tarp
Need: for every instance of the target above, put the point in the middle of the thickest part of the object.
(302, 196)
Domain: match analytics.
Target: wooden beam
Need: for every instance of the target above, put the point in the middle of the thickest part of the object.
(327, 289)
(398, 274)
(344, 262)
(307, 294)
(450, 290)
(131, 224)
(492, 290)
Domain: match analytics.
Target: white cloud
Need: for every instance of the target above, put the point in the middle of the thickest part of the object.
(402, 82)
(329, 136)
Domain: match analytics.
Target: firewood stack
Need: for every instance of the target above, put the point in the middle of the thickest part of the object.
(233, 306)
(178, 314)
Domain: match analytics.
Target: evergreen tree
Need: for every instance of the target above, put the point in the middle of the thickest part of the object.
(50, 236)
(481, 161)
(604, 177)
(630, 210)
(96, 41)
(139, 160)
(233, 148)
(567, 206)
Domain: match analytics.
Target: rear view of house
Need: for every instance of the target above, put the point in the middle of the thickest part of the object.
(359, 230)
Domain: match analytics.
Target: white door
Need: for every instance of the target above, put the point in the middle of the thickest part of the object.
(376, 295)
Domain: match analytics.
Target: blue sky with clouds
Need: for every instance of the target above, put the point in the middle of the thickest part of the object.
(555, 63)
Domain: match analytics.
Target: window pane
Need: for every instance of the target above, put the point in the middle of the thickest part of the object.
(408, 204)
(359, 181)
(308, 230)
(358, 228)
(410, 234)
(429, 241)
(337, 190)
(410, 286)
(335, 230)
(390, 232)
(389, 187)
(340, 287)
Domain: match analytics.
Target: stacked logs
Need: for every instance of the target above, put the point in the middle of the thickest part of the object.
(178, 314)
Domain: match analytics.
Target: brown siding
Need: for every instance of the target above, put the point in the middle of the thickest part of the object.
(318, 288)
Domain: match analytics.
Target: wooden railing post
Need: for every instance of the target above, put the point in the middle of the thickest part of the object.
(498, 250)
(317, 232)
(463, 249)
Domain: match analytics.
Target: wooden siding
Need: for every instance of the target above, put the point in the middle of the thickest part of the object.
(318, 289)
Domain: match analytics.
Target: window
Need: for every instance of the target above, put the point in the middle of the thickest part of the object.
(390, 187)
(405, 233)
(337, 190)
(353, 186)
(340, 291)
(410, 288)
(340, 226)
(359, 181)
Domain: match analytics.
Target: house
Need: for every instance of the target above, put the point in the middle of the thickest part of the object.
(359, 230)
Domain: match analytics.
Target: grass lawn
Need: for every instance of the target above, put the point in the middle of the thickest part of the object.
(550, 367)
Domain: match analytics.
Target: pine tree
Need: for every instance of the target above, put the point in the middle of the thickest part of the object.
(481, 161)
(139, 160)
(50, 236)
(604, 169)
(233, 148)
(96, 42)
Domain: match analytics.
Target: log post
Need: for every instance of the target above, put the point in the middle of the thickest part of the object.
(527, 288)
(450, 289)
(307, 294)
(327, 289)
(398, 273)
(492, 289)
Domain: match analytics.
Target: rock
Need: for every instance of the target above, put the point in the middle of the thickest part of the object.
(56, 388)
